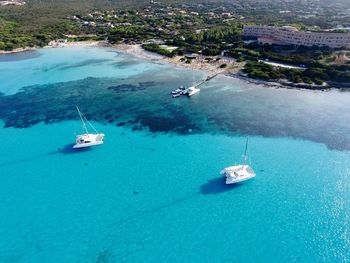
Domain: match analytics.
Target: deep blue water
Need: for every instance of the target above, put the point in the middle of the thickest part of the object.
(153, 192)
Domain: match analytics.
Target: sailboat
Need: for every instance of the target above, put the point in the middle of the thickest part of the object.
(193, 90)
(239, 173)
(87, 139)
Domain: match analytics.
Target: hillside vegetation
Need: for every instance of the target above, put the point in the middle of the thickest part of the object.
(39, 21)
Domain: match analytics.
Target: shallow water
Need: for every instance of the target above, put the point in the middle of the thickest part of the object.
(121, 90)
(153, 191)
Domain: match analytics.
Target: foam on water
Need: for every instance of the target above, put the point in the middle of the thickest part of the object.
(155, 194)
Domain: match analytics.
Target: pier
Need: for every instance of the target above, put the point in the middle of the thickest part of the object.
(208, 78)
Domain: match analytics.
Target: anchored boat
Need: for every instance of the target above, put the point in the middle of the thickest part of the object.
(239, 173)
(87, 139)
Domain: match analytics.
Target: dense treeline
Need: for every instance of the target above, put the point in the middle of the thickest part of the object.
(194, 30)
(317, 76)
(230, 33)
(213, 41)
(315, 71)
(37, 22)
(12, 35)
(307, 56)
(157, 49)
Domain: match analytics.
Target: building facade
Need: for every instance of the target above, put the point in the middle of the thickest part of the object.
(291, 36)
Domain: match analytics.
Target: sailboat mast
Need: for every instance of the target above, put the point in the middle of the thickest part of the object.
(245, 156)
(192, 77)
(82, 120)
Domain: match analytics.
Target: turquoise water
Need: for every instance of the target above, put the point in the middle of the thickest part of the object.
(153, 192)
(32, 68)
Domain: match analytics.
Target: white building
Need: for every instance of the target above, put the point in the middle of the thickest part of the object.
(226, 14)
(291, 36)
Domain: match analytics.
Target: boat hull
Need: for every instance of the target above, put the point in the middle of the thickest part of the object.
(85, 145)
(191, 91)
(88, 140)
(192, 94)
(238, 173)
(235, 181)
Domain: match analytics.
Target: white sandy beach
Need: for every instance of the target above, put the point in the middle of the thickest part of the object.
(212, 67)
(17, 50)
(54, 44)
(198, 63)
(136, 50)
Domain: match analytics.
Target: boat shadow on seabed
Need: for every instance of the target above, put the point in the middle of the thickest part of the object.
(68, 149)
(217, 186)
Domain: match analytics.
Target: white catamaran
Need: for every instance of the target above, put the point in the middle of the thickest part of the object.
(239, 173)
(87, 139)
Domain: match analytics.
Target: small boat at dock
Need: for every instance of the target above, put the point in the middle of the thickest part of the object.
(193, 90)
(184, 92)
(177, 91)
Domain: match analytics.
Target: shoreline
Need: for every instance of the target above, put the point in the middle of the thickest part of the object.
(285, 84)
(213, 68)
(198, 63)
(233, 68)
(17, 50)
(54, 44)
(137, 51)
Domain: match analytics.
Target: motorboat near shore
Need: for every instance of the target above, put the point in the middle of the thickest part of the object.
(239, 173)
(179, 91)
(192, 91)
(87, 139)
(183, 91)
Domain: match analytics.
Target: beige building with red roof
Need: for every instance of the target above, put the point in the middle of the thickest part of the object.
(291, 36)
